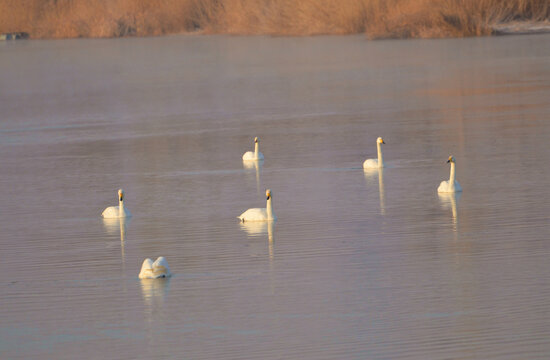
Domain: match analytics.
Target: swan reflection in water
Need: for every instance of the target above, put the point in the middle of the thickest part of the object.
(259, 228)
(369, 174)
(116, 226)
(257, 166)
(450, 200)
(154, 291)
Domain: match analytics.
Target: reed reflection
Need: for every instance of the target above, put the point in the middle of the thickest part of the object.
(371, 173)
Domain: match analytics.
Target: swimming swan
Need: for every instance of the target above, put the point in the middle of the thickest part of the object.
(375, 163)
(117, 211)
(260, 214)
(154, 270)
(451, 185)
(256, 155)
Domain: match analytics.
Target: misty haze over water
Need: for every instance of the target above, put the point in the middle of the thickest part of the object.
(359, 265)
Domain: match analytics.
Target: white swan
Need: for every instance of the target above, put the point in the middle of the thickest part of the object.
(117, 211)
(154, 270)
(375, 163)
(256, 154)
(260, 214)
(451, 185)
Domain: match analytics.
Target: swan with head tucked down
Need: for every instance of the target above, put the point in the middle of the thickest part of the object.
(451, 185)
(256, 154)
(375, 163)
(155, 270)
(117, 211)
(260, 214)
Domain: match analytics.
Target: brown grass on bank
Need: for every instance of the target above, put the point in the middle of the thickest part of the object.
(376, 18)
(95, 18)
(451, 18)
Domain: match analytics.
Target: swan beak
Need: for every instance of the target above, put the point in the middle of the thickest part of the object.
(121, 197)
(383, 142)
(448, 161)
(268, 197)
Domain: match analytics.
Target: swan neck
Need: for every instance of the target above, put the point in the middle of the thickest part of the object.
(121, 207)
(452, 177)
(269, 209)
(380, 159)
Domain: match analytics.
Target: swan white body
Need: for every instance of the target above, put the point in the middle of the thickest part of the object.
(256, 154)
(451, 185)
(260, 214)
(154, 270)
(117, 211)
(376, 163)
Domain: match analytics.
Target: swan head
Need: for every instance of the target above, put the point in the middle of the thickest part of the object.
(268, 194)
(256, 140)
(120, 194)
(380, 140)
(451, 159)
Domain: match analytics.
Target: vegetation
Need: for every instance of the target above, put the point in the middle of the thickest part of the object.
(375, 18)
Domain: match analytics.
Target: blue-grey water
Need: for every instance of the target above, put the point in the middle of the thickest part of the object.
(360, 265)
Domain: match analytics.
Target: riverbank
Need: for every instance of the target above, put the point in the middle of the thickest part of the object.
(375, 18)
(517, 27)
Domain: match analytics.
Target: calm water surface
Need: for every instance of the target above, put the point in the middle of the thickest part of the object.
(359, 265)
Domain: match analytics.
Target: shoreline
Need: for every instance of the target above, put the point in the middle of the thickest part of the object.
(522, 28)
(500, 29)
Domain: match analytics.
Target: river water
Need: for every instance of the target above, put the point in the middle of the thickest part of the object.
(359, 265)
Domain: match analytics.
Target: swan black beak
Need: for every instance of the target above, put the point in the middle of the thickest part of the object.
(383, 142)
(268, 197)
(448, 161)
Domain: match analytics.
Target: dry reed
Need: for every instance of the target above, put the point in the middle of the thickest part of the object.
(375, 18)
